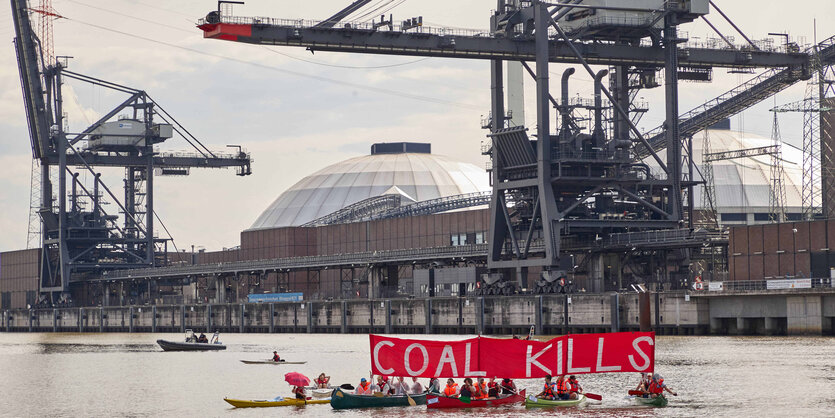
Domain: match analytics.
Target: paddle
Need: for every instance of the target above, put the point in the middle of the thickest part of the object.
(593, 396)
(636, 392)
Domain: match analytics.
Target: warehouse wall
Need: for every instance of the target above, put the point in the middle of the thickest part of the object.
(798, 249)
(19, 272)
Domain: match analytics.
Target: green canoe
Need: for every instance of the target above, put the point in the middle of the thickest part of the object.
(344, 400)
(534, 402)
(657, 401)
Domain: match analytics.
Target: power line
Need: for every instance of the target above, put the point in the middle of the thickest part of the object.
(290, 72)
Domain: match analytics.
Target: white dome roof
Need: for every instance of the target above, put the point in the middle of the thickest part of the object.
(421, 176)
(743, 184)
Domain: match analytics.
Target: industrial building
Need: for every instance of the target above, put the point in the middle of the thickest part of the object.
(582, 202)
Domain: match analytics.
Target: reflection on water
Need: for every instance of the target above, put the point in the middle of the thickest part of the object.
(127, 374)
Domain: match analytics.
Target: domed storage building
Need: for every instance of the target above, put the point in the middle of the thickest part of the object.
(405, 168)
(743, 185)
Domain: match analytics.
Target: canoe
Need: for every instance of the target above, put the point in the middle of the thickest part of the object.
(271, 362)
(241, 403)
(345, 400)
(534, 402)
(657, 401)
(438, 401)
(183, 346)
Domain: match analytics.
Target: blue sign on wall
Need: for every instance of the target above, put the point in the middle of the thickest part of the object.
(275, 297)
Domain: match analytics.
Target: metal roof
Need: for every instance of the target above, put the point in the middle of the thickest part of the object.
(420, 176)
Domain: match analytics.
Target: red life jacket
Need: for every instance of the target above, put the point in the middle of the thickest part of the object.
(364, 390)
(656, 388)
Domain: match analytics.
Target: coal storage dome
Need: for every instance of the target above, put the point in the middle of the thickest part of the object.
(407, 168)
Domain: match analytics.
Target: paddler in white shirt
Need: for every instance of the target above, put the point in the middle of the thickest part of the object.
(417, 388)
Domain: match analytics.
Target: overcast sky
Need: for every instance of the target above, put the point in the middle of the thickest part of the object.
(298, 112)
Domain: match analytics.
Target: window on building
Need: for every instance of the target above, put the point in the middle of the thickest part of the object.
(734, 217)
(761, 217)
(794, 216)
(479, 237)
(459, 239)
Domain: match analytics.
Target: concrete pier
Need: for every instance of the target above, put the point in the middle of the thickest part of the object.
(789, 313)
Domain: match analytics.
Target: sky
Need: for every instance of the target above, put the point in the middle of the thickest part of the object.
(297, 112)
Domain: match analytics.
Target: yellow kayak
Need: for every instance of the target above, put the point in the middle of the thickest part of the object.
(241, 403)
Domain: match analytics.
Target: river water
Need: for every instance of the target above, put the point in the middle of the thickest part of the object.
(68, 374)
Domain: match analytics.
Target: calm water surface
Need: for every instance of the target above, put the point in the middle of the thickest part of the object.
(128, 375)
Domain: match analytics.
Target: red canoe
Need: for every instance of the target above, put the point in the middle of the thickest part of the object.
(436, 401)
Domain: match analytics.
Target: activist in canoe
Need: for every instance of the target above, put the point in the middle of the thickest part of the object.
(451, 389)
(416, 388)
(480, 389)
(434, 386)
(657, 387)
(574, 388)
(364, 388)
(468, 390)
(548, 390)
(508, 387)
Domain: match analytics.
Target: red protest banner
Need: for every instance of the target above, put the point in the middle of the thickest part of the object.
(512, 358)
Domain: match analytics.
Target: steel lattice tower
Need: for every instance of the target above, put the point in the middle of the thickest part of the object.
(777, 194)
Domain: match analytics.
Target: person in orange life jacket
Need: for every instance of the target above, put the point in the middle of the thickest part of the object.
(480, 389)
(299, 392)
(492, 388)
(657, 387)
(508, 387)
(563, 389)
(364, 388)
(547, 389)
(467, 390)
(574, 387)
(322, 381)
(451, 389)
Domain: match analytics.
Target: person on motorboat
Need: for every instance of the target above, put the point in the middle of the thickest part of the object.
(299, 392)
(434, 385)
(562, 389)
(548, 392)
(416, 388)
(451, 389)
(364, 388)
(467, 389)
(657, 387)
(322, 381)
(202, 339)
(508, 387)
(492, 388)
(574, 387)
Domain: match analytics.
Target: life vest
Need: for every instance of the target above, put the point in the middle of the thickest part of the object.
(563, 387)
(451, 390)
(655, 388)
(548, 390)
(276, 357)
(364, 390)
(573, 387)
(507, 386)
(480, 391)
(321, 381)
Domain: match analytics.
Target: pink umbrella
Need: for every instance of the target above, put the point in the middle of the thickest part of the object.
(296, 379)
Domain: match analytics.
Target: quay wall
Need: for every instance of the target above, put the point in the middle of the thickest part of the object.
(674, 313)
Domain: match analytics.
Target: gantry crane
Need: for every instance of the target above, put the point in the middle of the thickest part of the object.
(80, 239)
